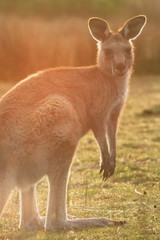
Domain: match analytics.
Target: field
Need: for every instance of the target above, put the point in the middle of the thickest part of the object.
(132, 194)
(31, 44)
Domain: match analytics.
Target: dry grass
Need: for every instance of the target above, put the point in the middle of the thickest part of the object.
(31, 44)
(28, 45)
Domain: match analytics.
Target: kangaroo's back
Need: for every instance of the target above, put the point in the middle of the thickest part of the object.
(75, 85)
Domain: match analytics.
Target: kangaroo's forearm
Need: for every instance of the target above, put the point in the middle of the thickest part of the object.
(111, 133)
(111, 126)
(107, 166)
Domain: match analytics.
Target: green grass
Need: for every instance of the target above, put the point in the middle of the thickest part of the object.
(132, 194)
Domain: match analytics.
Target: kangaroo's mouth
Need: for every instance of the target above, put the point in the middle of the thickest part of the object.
(120, 73)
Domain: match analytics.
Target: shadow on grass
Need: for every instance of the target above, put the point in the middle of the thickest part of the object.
(24, 235)
(138, 178)
(21, 235)
(154, 111)
(44, 235)
(134, 174)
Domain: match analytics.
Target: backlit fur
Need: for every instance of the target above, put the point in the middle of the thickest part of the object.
(44, 116)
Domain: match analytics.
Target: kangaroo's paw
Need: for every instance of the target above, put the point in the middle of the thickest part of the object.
(84, 223)
(107, 169)
(33, 224)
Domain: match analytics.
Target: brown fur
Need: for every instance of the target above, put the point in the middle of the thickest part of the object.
(44, 116)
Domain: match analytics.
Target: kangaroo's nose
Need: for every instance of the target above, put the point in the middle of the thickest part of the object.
(120, 67)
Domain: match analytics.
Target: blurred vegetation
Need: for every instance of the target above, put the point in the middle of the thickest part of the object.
(54, 8)
(37, 34)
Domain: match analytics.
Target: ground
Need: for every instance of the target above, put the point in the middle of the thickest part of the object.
(132, 194)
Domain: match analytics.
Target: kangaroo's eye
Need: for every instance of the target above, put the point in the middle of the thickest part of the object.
(108, 52)
(128, 51)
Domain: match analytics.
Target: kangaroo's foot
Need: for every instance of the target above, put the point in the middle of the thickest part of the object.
(30, 218)
(84, 223)
(33, 224)
(38, 223)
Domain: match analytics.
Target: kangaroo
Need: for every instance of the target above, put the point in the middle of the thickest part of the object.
(44, 116)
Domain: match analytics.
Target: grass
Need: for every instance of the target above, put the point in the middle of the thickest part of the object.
(132, 194)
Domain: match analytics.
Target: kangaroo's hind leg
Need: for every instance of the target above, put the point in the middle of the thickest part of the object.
(30, 219)
(5, 190)
(58, 178)
(57, 213)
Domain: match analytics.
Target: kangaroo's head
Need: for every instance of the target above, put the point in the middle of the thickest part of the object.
(115, 56)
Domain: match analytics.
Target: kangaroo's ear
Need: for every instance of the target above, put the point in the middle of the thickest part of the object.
(133, 27)
(99, 29)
